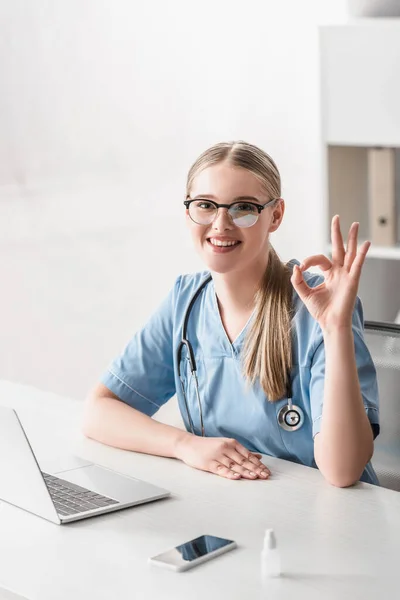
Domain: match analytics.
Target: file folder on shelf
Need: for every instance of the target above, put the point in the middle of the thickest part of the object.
(381, 195)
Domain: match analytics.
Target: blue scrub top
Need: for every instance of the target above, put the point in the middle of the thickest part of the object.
(145, 374)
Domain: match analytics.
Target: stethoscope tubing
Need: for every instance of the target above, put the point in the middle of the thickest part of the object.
(290, 417)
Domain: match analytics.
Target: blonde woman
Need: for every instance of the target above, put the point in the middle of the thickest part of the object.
(273, 360)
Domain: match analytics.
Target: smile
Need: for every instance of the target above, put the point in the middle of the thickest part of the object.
(222, 246)
(223, 243)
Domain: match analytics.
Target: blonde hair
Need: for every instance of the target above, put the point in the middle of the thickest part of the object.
(267, 354)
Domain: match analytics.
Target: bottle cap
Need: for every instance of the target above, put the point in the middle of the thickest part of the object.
(270, 539)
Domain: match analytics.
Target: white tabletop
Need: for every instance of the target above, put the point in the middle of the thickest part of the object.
(334, 543)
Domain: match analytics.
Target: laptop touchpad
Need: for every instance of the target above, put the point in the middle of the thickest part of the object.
(58, 464)
(112, 484)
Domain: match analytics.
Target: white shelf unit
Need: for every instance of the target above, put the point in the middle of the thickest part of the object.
(385, 252)
(360, 110)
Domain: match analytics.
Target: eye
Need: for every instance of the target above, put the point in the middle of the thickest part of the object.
(204, 205)
(244, 207)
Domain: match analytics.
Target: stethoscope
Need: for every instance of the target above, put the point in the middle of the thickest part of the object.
(290, 417)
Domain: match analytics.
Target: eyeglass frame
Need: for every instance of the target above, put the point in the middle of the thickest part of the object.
(260, 207)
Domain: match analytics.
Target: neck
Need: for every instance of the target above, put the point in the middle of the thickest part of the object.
(236, 290)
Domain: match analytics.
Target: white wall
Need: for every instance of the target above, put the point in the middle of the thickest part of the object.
(103, 107)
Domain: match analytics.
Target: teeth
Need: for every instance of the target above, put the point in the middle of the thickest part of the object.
(220, 243)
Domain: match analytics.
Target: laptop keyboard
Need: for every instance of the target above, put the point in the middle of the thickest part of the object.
(70, 499)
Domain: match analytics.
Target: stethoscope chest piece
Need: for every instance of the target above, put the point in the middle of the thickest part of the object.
(290, 417)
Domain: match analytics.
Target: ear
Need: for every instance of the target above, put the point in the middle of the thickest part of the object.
(277, 215)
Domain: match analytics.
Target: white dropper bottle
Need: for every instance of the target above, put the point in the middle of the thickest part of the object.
(270, 557)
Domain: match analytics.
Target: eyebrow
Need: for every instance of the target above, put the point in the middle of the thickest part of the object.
(237, 199)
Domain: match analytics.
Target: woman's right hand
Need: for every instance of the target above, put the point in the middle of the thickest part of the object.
(222, 456)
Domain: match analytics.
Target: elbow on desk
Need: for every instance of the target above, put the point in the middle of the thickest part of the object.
(341, 481)
(87, 427)
(87, 431)
(341, 476)
(341, 470)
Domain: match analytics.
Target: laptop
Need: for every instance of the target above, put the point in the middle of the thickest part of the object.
(68, 496)
(9, 595)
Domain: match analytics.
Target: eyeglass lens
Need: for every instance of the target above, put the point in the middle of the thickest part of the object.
(242, 214)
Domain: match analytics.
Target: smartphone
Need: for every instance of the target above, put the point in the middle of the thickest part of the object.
(195, 552)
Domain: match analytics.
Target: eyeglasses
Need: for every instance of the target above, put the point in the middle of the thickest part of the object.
(243, 214)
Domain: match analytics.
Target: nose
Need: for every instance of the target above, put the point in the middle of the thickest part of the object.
(222, 221)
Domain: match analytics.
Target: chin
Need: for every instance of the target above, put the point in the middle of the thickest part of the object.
(216, 265)
(220, 269)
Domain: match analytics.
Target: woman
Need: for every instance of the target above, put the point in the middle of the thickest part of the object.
(261, 332)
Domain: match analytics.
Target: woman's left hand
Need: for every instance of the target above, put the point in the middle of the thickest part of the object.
(332, 302)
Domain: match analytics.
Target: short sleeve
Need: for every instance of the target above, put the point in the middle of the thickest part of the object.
(143, 375)
(366, 374)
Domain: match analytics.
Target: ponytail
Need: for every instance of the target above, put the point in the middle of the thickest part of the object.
(268, 345)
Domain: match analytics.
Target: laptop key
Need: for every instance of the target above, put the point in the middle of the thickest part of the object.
(98, 502)
(72, 498)
(78, 507)
(104, 502)
(65, 510)
(88, 505)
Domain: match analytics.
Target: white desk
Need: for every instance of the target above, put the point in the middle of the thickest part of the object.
(335, 543)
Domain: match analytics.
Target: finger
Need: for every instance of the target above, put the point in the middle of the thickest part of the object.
(236, 457)
(303, 290)
(226, 461)
(253, 460)
(240, 449)
(245, 453)
(351, 250)
(230, 461)
(258, 464)
(219, 469)
(244, 472)
(317, 260)
(245, 467)
(249, 456)
(338, 252)
(358, 262)
(250, 467)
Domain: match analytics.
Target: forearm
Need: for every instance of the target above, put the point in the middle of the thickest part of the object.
(345, 443)
(115, 423)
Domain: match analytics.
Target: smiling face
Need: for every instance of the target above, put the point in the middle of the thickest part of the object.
(223, 246)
